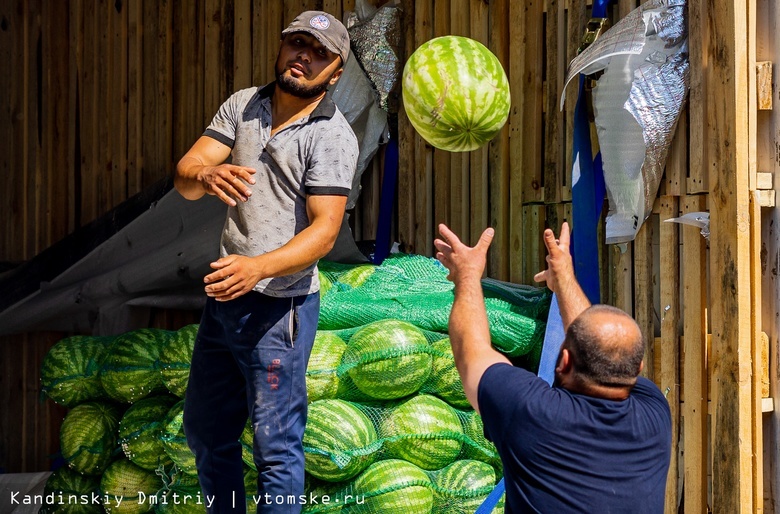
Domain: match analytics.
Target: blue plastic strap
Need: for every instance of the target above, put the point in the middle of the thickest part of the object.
(389, 181)
(492, 499)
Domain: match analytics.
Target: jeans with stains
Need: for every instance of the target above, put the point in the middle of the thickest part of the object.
(250, 361)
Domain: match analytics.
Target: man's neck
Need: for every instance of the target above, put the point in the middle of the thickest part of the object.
(287, 108)
(588, 388)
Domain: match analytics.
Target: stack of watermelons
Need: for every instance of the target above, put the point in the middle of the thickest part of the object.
(389, 427)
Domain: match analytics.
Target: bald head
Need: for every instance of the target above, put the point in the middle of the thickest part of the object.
(606, 346)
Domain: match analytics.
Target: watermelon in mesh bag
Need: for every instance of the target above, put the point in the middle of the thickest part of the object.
(140, 429)
(131, 368)
(322, 379)
(423, 430)
(88, 440)
(247, 441)
(72, 493)
(391, 487)
(388, 359)
(357, 276)
(175, 442)
(476, 446)
(175, 358)
(136, 487)
(70, 372)
(444, 381)
(461, 487)
(181, 494)
(339, 442)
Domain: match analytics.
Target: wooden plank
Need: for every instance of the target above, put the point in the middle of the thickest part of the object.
(442, 171)
(728, 147)
(673, 182)
(516, 122)
(135, 96)
(621, 272)
(459, 161)
(757, 371)
(752, 99)
(764, 85)
(625, 7)
(577, 18)
(555, 50)
(333, 7)
(164, 159)
(242, 44)
(214, 65)
(765, 364)
(766, 198)
(764, 180)
(643, 290)
(406, 135)
(8, 211)
(498, 158)
(423, 156)
(698, 45)
(531, 98)
(694, 365)
(108, 190)
(275, 23)
(477, 199)
(534, 251)
(89, 177)
(118, 99)
(35, 214)
(668, 373)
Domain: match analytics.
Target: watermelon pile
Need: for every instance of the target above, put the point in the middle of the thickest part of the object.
(389, 428)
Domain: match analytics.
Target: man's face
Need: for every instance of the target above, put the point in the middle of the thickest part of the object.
(304, 67)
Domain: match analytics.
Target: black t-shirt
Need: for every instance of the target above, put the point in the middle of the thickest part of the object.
(566, 453)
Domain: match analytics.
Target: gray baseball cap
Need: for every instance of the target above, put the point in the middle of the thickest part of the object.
(328, 30)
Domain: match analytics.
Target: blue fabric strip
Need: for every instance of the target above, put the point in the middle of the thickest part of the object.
(389, 181)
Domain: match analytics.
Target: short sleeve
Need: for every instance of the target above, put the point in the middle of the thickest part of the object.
(333, 160)
(500, 394)
(224, 125)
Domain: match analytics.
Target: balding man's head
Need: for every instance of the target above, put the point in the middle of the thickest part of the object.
(606, 346)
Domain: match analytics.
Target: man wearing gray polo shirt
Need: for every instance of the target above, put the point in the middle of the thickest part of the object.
(293, 159)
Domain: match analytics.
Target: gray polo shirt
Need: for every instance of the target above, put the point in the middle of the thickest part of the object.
(316, 155)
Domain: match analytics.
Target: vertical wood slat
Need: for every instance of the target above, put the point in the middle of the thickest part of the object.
(477, 196)
(107, 189)
(643, 291)
(118, 100)
(531, 61)
(669, 373)
(459, 161)
(442, 209)
(242, 44)
(90, 179)
(135, 96)
(31, 150)
(8, 197)
(576, 20)
(498, 159)
(757, 348)
(515, 74)
(694, 365)
(727, 145)
(406, 135)
(698, 54)
(423, 158)
(554, 158)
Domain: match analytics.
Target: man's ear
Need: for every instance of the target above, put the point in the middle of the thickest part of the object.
(564, 362)
(336, 75)
(641, 365)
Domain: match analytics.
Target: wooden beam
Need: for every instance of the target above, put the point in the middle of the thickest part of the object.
(728, 150)
(643, 291)
(757, 354)
(764, 85)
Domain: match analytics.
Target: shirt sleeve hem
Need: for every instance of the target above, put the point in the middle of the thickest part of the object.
(324, 190)
(222, 138)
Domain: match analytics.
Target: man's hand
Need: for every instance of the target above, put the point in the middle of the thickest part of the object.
(560, 267)
(228, 182)
(236, 275)
(464, 262)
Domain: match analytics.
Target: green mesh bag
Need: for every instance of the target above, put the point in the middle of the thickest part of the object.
(387, 359)
(461, 487)
(180, 494)
(415, 289)
(476, 446)
(175, 358)
(444, 381)
(88, 436)
(175, 442)
(131, 368)
(136, 487)
(322, 378)
(390, 487)
(339, 442)
(140, 429)
(423, 430)
(72, 493)
(70, 372)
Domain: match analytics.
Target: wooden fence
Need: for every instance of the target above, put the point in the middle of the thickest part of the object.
(102, 98)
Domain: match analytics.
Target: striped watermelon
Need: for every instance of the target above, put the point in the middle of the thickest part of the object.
(70, 372)
(339, 442)
(392, 487)
(325, 283)
(65, 483)
(388, 359)
(140, 429)
(423, 430)
(358, 275)
(175, 358)
(181, 494)
(462, 486)
(175, 442)
(476, 445)
(88, 436)
(322, 379)
(131, 367)
(136, 487)
(444, 381)
(247, 441)
(455, 93)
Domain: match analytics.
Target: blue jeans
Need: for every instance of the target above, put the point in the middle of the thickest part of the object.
(250, 360)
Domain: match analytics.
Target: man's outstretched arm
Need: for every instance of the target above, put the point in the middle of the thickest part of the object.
(468, 325)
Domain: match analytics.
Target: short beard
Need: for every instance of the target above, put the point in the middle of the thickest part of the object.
(290, 86)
